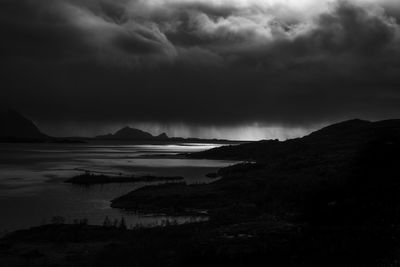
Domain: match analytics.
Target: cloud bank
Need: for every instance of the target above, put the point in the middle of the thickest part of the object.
(201, 62)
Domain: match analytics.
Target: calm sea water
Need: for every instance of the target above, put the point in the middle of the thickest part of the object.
(32, 188)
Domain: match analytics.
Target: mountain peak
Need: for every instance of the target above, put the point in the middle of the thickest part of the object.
(128, 132)
(162, 136)
(132, 133)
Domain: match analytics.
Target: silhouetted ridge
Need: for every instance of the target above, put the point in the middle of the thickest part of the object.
(162, 136)
(342, 129)
(14, 125)
(128, 133)
(354, 132)
(343, 136)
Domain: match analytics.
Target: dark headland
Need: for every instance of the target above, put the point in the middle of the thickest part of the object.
(15, 126)
(331, 198)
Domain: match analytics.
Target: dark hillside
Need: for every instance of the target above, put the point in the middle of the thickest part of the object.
(14, 125)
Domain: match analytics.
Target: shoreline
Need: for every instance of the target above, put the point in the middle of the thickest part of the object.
(89, 178)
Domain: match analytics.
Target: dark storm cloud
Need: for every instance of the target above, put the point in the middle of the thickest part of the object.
(28, 32)
(65, 30)
(198, 62)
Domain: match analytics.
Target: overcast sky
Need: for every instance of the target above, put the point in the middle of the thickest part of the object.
(246, 69)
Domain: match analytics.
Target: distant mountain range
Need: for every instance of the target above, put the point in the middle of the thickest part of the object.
(128, 133)
(17, 128)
